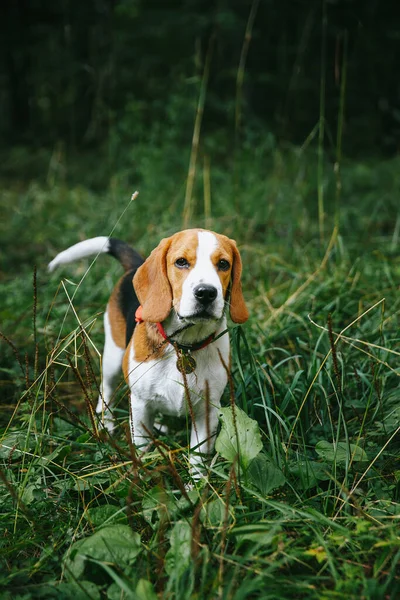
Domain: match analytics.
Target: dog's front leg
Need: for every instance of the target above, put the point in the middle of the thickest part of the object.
(202, 438)
(141, 423)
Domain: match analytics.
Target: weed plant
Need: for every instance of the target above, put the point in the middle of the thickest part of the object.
(302, 498)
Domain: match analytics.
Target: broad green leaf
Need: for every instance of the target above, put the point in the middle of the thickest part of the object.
(99, 515)
(82, 590)
(212, 513)
(63, 427)
(264, 475)
(12, 446)
(156, 505)
(238, 435)
(317, 552)
(340, 452)
(116, 544)
(84, 437)
(115, 592)
(159, 504)
(145, 590)
(258, 533)
(28, 494)
(81, 485)
(178, 557)
(309, 472)
(33, 491)
(56, 456)
(391, 420)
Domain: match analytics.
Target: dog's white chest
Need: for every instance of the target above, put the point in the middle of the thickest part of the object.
(160, 386)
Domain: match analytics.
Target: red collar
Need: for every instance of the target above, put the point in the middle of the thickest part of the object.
(185, 347)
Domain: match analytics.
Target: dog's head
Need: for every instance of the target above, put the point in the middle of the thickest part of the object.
(195, 272)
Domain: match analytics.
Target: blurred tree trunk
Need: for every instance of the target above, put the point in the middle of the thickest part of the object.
(16, 38)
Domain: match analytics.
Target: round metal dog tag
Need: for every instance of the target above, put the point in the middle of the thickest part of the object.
(185, 363)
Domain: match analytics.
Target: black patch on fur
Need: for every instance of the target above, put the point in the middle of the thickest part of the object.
(127, 256)
(128, 303)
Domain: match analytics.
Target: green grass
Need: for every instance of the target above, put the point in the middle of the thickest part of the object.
(315, 514)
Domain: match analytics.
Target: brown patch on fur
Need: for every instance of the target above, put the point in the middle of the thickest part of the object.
(223, 252)
(116, 318)
(147, 343)
(184, 245)
(152, 285)
(238, 308)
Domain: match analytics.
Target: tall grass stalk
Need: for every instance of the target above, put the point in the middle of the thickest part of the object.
(242, 65)
(342, 76)
(207, 191)
(188, 202)
(240, 75)
(324, 361)
(321, 133)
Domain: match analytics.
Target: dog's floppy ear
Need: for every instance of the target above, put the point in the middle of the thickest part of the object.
(238, 308)
(152, 285)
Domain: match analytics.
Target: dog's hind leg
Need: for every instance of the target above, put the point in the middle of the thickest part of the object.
(111, 368)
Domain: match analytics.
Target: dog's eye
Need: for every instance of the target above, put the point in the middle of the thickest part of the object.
(182, 263)
(223, 265)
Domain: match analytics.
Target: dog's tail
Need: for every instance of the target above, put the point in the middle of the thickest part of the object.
(127, 256)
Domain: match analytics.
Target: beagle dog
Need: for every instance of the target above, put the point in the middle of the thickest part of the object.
(168, 330)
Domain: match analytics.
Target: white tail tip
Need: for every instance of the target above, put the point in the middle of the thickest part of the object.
(97, 245)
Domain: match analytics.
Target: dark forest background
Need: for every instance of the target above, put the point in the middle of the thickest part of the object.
(108, 73)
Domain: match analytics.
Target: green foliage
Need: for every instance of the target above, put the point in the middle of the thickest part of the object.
(114, 544)
(264, 475)
(340, 453)
(302, 500)
(178, 557)
(239, 438)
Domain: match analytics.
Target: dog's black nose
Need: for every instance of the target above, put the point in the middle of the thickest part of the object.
(205, 294)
